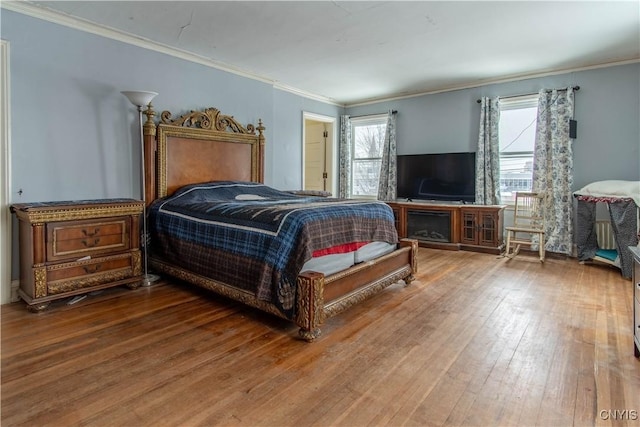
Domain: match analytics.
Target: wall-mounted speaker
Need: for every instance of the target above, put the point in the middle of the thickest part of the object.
(573, 129)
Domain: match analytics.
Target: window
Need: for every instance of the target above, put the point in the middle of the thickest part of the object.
(517, 132)
(367, 137)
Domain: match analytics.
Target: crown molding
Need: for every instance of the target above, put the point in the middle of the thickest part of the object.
(26, 8)
(80, 24)
(488, 82)
(56, 17)
(305, 94)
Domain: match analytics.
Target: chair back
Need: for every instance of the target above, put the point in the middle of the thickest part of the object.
(529, 210)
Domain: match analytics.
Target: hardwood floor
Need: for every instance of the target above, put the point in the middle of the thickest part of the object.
(475, 340)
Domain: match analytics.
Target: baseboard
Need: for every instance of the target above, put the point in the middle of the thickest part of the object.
(15, 284)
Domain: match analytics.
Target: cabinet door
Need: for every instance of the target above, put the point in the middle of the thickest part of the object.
(636, 277)
(469, 227)
(488, 231)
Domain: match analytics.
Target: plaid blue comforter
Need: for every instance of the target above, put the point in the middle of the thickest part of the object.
(257, 238)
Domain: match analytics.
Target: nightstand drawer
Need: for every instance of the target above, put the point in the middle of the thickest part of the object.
(76, 239)
(76, 275)
(636, 320)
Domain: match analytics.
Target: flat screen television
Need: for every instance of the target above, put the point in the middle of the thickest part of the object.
(445, 176)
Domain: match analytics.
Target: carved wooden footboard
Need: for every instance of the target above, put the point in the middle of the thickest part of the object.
(321, 297)
(318, 296)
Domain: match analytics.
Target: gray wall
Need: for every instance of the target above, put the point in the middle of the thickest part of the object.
(287, 123)
(75, 136)
(607, 109)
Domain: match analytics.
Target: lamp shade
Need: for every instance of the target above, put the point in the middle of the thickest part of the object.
(139, 98)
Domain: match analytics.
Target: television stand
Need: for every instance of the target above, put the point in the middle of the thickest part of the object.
(451, 225)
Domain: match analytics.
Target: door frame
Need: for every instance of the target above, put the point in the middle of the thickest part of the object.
(334, 146)
(5, 176)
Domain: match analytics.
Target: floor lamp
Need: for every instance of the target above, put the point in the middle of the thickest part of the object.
(141, 99)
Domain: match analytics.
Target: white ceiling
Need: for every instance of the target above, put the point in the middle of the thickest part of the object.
(353, 52)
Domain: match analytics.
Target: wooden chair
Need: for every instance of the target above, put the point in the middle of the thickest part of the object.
(528, 219)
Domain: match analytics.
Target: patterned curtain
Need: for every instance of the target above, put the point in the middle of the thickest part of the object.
(553, 167)
(388, 167)
(624, 221)
(488, 154)
(344, 167)
(586, 237)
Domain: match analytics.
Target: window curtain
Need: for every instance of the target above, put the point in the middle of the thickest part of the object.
(488, 153)
(586, 237)
(388, 166)
(553, 167)
(344, 166)
(624, 222)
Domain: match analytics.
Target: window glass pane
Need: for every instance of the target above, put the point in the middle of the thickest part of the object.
(515, 175)
(365, 177)
(517, 129)
(368, 141)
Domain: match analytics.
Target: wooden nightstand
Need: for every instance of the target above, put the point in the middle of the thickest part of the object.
(71, 248)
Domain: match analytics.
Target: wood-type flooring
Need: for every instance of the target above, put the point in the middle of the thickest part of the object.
(475, 340)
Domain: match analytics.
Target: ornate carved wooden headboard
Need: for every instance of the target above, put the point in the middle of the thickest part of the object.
(199, 146)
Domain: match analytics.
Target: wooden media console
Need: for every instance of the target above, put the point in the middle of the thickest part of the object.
(452, 226)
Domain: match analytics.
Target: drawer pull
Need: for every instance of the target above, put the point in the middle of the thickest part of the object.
(90, 243)
(90, 269)
(90, 234)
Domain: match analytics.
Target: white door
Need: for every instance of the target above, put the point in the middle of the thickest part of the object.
(318, 160)
(315, 156)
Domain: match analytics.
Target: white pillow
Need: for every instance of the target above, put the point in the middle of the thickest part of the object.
(612, 188)
(249, 197)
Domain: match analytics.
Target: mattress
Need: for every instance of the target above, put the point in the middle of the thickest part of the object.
(256, 238)
(333, 263)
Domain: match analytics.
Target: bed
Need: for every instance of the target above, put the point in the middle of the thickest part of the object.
(622, 199)
(204, 165)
